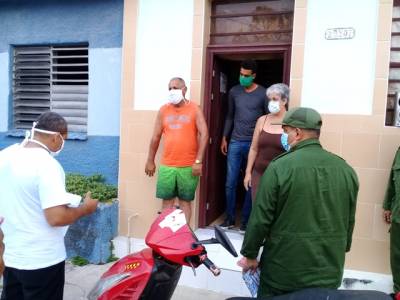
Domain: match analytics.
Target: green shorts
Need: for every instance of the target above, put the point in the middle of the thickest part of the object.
(176, 182)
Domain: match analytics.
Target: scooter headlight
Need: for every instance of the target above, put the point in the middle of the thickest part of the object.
(104, 284)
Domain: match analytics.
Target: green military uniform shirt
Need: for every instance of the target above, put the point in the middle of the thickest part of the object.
(304, 217)
(392, 203)
(392, 197)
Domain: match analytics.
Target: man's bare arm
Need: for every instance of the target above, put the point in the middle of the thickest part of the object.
(62, 215)
(150, 167)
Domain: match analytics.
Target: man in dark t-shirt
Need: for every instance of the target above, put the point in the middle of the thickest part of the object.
(246, 103)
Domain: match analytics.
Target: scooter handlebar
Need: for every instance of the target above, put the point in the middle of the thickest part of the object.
(210, 265)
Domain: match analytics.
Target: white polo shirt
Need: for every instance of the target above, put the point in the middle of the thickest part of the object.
(31, 180)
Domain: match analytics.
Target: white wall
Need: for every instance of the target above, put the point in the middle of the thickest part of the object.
(163, 49)
(4, 91)
(339, 74)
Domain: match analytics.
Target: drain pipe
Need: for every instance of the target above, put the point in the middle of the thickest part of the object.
(130, 218)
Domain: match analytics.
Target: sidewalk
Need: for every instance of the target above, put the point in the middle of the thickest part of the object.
(80, 280)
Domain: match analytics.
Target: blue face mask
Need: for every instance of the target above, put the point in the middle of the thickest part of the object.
(284, 141)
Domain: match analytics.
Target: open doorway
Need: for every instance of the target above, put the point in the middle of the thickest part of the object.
(222, 74)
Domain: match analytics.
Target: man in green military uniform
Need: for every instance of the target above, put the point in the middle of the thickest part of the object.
(303, 214)
(391, 214)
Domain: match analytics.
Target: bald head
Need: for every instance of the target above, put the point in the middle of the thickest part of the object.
(176, 83)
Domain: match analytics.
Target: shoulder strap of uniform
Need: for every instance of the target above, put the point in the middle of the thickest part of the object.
(281, 155)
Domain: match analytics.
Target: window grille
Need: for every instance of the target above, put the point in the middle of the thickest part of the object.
(51, 78)
(394, 71)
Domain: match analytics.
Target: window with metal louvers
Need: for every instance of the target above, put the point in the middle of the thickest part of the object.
(52, 78)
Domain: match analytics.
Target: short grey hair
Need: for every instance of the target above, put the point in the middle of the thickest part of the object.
(279, 88)
(179, 79)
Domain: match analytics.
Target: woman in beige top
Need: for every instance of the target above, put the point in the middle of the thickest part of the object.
(268, 140)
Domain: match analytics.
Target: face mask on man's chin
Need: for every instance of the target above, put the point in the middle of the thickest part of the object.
(31, 134)
(55, 153)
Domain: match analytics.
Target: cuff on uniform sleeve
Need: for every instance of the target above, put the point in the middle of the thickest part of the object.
(249, 254)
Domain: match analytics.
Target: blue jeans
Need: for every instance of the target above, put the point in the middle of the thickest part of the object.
(237, 160)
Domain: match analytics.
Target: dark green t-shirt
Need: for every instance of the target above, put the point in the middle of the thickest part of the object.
(244, 109)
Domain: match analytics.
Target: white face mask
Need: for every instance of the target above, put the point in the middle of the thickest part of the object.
(175, 96)
(274, 107)
(29, 136)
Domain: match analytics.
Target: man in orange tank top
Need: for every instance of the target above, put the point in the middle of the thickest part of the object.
(182, 125)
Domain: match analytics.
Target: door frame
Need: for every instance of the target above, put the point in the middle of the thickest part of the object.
(211, 53)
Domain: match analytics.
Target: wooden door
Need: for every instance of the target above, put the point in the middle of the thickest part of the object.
(213, 181)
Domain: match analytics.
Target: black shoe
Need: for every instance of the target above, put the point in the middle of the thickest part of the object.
(227, 224)
(243, 228)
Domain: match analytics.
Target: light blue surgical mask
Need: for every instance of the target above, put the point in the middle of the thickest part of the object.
(284, 141)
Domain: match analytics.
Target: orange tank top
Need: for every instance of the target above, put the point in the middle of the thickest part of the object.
(179, 134)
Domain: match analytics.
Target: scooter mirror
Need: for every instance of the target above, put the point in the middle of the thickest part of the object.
(222, 238)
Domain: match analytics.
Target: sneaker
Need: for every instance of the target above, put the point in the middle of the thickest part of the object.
(243, 228)
(227, 224)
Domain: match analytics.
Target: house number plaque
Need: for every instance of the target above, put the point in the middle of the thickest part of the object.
(340, 33)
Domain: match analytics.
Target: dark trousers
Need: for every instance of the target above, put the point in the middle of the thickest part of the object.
(395, 255)
(237, 160)
(40, 284)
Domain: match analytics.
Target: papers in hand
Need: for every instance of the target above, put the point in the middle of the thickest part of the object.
(73, 200)
(252, 280)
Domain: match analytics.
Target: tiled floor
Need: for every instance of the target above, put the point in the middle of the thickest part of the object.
(185, 293)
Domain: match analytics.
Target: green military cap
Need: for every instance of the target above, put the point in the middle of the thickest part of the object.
(302, 117)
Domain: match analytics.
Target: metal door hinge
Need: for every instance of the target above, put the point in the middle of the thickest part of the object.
(210, 141)
(213, 73)
(208, 206)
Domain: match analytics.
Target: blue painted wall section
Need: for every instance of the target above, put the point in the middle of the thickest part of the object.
(90, 237)
(97, 22)
(24, 22)
(96, 155)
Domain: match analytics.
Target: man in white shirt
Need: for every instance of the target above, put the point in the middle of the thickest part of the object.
(36, 208)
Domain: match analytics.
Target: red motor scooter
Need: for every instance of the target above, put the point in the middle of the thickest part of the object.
(153, 273)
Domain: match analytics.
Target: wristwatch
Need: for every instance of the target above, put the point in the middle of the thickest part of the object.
(197, 161)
